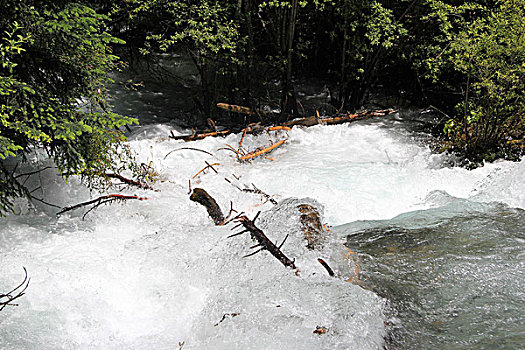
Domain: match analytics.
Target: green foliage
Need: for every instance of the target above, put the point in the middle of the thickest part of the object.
(54, 63)
(204, 26)
(488, 53)
(463, 56)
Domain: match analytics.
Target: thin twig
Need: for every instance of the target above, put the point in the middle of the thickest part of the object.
(206, 167)
(33, 172)
(251, 254)
(211, 166)
(188, 148)
(328, 268)
(44, 202)
(240, 144)
(284, 240)
(10, 298)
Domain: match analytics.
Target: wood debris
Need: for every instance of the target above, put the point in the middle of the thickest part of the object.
(338, 119)
(263, 242)
(208, 166)
(243, 110)
(232, 315)
(328, 268)
(187, 148)
(202, 197)
(312, 227)
(8, 298)
(254, 189)
(200, 136)
(320, 330)
(99, 201)
(256, 128)
(127, 181)
(260, 152)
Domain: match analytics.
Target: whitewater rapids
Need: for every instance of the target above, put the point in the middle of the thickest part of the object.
(157, 274)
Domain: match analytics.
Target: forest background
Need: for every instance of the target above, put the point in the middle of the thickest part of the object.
(465, 59)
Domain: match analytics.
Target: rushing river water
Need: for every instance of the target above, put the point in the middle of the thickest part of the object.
(440, 250)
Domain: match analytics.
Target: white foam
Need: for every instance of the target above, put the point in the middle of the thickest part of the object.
(151, 274)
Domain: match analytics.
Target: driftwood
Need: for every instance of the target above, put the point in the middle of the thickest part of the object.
(254, 129)
(309, 121)
(244, 110)
(320, 330)
(8, 298)
(263, 243)
(316, 235)
(202, 197)
(258, 128)
(263, 151)
(99, 201)
(117, 176)
(338, 119)
(200, 136)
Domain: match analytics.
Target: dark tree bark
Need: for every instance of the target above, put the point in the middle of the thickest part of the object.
(202, 197)
(264, 242)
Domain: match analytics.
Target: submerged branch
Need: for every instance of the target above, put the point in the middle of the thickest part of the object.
(7, 298)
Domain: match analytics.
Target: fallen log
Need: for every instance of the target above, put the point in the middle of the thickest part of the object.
(317, 238)
(255, 129)
(202, 197)
(264, 242)
(200, 136)
(338, 119)
(312, 227)
(312, 120)
(243, 110)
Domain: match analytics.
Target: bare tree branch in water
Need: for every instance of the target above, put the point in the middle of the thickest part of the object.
(8, 298)
(263, 243)
(99, 201)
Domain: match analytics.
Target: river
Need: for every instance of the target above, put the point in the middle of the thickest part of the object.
(440, 249)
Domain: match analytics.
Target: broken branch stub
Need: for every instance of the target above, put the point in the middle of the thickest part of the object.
(202, 197)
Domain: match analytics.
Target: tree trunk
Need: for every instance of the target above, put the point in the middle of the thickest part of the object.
(288, 103)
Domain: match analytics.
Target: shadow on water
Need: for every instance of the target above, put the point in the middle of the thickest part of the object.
(453, 276)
